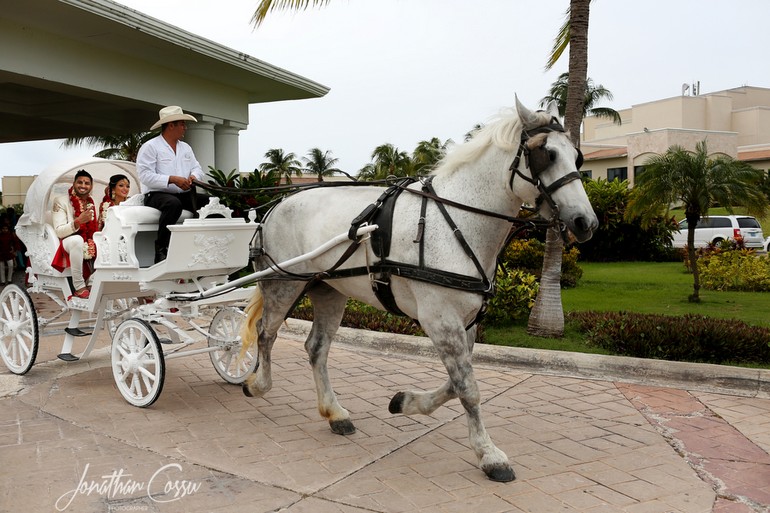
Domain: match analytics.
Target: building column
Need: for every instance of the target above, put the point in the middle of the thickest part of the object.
(200, 136)
(226, 145)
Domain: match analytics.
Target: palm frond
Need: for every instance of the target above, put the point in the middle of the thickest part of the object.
(266, 6)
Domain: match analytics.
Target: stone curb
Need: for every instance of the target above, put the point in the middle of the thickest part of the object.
(720, 379)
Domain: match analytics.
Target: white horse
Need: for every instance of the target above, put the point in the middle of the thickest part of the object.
(476, 174)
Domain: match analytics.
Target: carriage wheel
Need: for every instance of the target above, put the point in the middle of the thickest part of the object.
(19, 333)
(224, 333)
(137, 362)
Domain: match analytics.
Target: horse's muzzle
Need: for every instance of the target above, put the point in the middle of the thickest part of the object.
(583, 227)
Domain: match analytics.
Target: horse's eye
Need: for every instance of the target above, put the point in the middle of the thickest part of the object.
(552, 155)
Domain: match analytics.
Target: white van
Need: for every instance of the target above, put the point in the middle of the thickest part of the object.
(714, 229)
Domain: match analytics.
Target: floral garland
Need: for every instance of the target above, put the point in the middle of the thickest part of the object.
(88, 229)
(107, 201)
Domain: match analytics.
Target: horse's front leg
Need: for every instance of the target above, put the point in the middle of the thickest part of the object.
(410, 403)
(454, 348)
(328, 308)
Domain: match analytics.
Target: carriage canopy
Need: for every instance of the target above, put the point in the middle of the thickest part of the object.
(57, 179)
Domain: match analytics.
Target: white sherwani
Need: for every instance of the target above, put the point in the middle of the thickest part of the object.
(63, 216)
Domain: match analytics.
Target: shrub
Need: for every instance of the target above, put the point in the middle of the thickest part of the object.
(527, 255)
(621, 239)
(693, 338)
(515, 293)
(710, 249)
(740, 270)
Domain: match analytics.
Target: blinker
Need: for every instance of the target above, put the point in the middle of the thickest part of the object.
(538, 159)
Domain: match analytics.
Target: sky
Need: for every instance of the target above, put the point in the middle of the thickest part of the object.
(403, 71)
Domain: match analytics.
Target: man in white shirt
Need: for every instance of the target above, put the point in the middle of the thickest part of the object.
(167, 167)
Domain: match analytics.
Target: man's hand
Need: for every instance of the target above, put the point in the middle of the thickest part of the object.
(86, 216)
(182, 183)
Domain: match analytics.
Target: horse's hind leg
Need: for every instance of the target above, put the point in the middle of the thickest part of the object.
(328, 308)
(454, 346)
(278, 298)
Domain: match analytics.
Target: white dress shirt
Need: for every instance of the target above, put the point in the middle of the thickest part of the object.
(157, 161)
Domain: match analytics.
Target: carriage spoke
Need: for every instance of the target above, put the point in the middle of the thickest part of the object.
(20, 347)
(7, 313)
(135, 388)
(148, 379)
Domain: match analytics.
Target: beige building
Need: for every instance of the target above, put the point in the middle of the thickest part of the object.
(735, 122)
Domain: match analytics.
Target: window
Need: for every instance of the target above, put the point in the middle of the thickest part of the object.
(617, 173)
(721, 222)
(586, 175)
(638, 170)
(748, 222)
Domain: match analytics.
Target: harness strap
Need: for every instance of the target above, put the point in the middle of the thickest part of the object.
(383, 292)
(381, 213)
(435, 276)
(421, 223)
(460, 238)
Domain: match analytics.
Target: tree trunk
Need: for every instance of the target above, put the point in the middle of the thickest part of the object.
(578, 68)
(693, 257)
(547, 316)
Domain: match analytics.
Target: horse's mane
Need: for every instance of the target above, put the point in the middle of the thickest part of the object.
(503, 131)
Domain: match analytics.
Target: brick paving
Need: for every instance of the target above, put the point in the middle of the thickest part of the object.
(577, 445)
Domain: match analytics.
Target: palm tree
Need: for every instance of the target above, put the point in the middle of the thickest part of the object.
(120, 147)
(427, 154)
(390, 161)
(547, 316)
(698, 182)
(320, 163)
(558, 93)
(367, 173)
(284, 165)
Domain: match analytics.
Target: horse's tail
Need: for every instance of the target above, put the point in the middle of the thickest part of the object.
(249, 327)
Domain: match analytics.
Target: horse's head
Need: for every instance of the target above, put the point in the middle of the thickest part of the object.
(547, 164)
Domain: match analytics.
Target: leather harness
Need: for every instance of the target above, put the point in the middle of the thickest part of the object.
(381, 213)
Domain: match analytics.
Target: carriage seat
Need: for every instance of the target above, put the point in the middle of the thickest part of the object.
(145, 217)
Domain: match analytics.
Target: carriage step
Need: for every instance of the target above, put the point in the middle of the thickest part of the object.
(76, 332)
(68, 357)
(165, 341)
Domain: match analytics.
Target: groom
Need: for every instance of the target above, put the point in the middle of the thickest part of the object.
(75, 221)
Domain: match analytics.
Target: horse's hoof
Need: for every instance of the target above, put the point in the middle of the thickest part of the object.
(342, 427)
(246, 391)
(397, 403)
(500, 473)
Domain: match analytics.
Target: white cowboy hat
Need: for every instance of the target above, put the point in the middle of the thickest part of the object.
(171, 113)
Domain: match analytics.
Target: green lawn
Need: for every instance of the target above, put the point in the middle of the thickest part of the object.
(643, 287)
(662, 288)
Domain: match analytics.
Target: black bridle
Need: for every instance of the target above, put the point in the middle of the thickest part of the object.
(537, 161)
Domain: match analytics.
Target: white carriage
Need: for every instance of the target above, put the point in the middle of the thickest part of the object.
(132, 298)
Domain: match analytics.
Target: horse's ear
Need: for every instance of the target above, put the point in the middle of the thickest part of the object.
(553, 109)
(527, 117)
